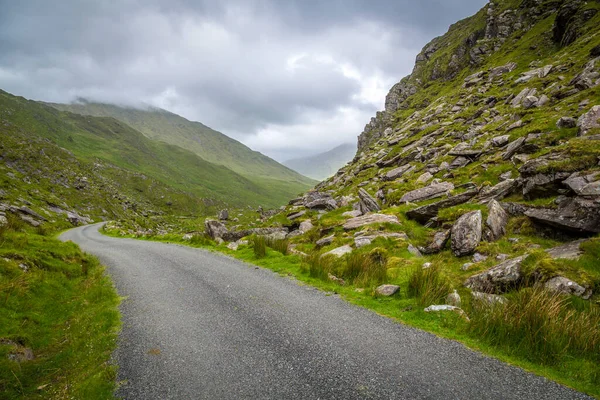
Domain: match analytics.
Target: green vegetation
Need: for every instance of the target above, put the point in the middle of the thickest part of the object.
(262, 174)
(58, 319)
(428, 286)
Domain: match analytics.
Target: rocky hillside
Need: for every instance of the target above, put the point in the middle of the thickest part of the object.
(278, 182)
(324, 165)
(489, 151)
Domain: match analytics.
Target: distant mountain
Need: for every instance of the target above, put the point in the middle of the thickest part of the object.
(322, 166)
(275, 180)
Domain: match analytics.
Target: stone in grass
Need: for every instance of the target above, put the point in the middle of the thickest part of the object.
(447, 307)
(325, 241)
(305, 226)
(339, 251)
(560, 284)
(387, 290)
(490, 299)
(414, 251)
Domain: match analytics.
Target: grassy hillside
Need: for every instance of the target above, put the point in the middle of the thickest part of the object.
(324, 165)
(210, 145)
(113, 142)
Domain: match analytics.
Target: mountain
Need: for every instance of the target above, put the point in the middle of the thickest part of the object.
(276, 181)
(477, 186)
(322, 166)
(107, 141)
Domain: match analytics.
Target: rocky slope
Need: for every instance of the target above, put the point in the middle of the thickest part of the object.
(487, 152)
(324, 165)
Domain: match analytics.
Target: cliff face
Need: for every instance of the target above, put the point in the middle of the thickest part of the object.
(470, 43)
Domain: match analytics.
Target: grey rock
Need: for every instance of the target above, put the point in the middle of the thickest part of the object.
(425, 213)
(513, 147)
(223, 215)
(429, 192)
(500, 141)
(296, 215)
(560, 284)
(566, 122)
(233, 246)
(466, 266)
(352, 214)
(496, 221)
(339, 251)
(578, 215)
(397, 172)
(498, 192)
(361, 241)
(438, 243)
(543, 185)
(387, 290)
(424, 178)
(530, 102)
(446, 307)
(319, 201)
(515, 125)
(369, 219)
(568, 251)
(478, 257)
(334, 278)
(589, 121)
(305, 226)
(414, 251)
(325, 241)
(367, 202)
(466, 233)
(215, 229)
(499, 279)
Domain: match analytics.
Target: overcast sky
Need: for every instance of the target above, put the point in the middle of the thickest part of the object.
(286, 77)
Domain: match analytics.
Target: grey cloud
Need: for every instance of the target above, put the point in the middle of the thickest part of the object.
(225, 63)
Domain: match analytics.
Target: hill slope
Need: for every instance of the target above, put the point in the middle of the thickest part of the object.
(210, 145)
(113, 142)
(322, 166)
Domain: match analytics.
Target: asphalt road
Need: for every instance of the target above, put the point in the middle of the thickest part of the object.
(198, 325)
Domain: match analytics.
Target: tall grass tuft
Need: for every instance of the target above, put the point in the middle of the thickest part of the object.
(317, 266)
(428, 285)
(366, 269)
(539, 325)
(280, 245)
(259, 246)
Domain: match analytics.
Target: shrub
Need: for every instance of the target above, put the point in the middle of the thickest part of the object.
(201, 240)
(259, 246)
(428, 285)
(541, 325)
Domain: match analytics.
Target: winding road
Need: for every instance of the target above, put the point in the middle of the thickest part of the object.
(198, 325)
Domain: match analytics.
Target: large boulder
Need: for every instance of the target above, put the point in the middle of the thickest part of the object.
(544, 185)
(425, 213)
(397, 172)
(566, 122)
(499, 279)
(589, 121)
(577, 215)
(215, 229)
(495, 222)
(367, 202)
(319, 201)
(466, 233)
(369, 219)
(427, 193)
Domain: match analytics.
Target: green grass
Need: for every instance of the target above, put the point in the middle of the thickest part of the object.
(64, 308)
(428, 285)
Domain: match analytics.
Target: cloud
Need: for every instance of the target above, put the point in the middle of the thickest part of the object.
(288, 78)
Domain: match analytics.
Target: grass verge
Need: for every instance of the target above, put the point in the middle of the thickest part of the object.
(58, 320)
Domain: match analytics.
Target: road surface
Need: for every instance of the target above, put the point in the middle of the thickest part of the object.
(198, 325)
